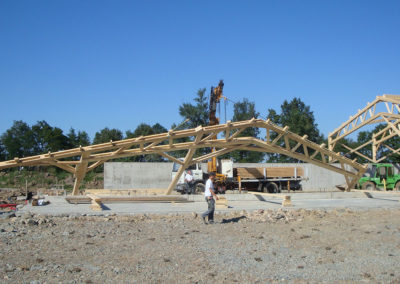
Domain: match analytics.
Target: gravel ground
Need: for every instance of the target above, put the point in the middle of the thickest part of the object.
(263, 246)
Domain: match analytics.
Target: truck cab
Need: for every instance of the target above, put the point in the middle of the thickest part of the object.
(225, 174)
(381, 176)
(197, 173)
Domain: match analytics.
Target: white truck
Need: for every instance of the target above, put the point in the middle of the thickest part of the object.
(266, 179)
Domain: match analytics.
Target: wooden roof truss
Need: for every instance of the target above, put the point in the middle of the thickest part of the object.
(384, 109)
(224, 137)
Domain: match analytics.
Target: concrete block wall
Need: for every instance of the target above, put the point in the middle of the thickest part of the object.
(119, 175)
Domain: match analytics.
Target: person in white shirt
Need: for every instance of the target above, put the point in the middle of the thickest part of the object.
(209, 194)
(189, 182)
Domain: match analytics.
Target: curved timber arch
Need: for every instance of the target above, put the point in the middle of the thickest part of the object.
(280, 140)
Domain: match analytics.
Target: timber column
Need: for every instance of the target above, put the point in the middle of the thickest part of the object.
(80, 172)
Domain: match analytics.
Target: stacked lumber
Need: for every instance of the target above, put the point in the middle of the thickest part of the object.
(122, 199)
(273, 172)
(119, 192)
(253, 173)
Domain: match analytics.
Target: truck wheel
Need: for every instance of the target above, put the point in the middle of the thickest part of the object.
(271, 187)
(200, 187)
(397, 186)
(369, 185)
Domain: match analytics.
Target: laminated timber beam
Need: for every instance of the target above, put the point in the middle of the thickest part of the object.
(83, 159)
(384, 109)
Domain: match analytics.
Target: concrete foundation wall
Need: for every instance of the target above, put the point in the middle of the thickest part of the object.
(137, 175)
(158, 175)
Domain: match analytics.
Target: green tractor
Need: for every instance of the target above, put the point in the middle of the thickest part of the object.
(382, 177)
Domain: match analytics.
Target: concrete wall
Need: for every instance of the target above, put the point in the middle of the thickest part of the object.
(137, 175)
(158, 175)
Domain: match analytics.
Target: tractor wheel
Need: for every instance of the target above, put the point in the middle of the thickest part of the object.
(200, 187)
(271, 187)
(369, 185)
(397, 186)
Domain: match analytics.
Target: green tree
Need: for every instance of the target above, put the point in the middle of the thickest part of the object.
(300, 119)
(245, 110)
(78, 139)
(158, 128)
(182, 153)
(18, 141)
(106, 134)
(48, 138)
(2, 152)
(144, 129)
(198, 113)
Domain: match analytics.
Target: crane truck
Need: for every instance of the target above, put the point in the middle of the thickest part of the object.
(266, 179)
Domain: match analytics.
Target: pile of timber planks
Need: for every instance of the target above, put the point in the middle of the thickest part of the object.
(87, 199)
(273, 172)
(130, 192)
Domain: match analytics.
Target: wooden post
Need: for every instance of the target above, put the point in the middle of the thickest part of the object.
(186, 163)
(240, 184)
(374, 149)
(80, 172)
(287, 201)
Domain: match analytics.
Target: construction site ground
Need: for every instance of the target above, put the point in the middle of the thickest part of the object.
(236, 202)
(330, 237)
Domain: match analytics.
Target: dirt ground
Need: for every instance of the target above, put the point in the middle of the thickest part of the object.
(264, 246)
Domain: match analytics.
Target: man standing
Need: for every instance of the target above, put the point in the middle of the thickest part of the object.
(209, 195)
(189, 182)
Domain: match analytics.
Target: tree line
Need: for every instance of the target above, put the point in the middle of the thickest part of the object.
(22, 140)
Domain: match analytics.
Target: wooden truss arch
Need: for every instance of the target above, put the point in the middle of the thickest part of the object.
(81, 160)
(384, 109)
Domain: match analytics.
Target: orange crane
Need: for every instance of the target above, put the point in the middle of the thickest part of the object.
(215, 97)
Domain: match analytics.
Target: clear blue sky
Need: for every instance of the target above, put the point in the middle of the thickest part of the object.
(92, 64)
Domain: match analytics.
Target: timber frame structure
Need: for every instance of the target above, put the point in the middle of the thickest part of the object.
(280, 140)
(384, 109)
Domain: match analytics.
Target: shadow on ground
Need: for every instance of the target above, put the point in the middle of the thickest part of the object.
(232, 220)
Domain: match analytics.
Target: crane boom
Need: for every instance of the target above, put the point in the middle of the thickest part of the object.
(215, 97)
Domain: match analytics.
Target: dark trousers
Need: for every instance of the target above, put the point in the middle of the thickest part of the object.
(190, 187)
(211, 209)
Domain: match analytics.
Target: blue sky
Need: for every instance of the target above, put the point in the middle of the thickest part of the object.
(96, 64)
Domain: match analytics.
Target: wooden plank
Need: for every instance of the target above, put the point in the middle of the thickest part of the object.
(286, 199)
(271, 172)
(221, 203)
(142, 192)
(393, 192)
(95, 202)
(126, 199)
(267, 194)
(94, 197)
